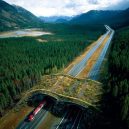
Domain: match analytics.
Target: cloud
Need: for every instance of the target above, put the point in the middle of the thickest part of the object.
(67, 7)
(93, 1)
(121, 6)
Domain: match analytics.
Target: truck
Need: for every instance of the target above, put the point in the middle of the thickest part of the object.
(36, 110)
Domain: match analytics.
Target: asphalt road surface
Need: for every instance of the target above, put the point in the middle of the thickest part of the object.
(81, 65)
(71, 120)
(94, 73)
(25, 124)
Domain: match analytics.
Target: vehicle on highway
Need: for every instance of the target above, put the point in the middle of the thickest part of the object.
(36, 110)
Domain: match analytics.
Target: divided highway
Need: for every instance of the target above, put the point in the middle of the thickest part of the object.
(74, 123)
(72, 119)
(78, 68)
(94, 73)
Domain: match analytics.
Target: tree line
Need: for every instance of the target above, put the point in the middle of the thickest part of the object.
(118, 80)
(24, 60)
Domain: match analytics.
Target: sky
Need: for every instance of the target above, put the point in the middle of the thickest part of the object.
(68, 7)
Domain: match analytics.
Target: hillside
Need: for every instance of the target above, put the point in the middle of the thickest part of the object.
(12, 16)
(55, 19)
(115, 19)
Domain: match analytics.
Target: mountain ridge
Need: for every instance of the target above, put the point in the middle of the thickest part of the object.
(114, 18)
(55, 19)
(13, 16)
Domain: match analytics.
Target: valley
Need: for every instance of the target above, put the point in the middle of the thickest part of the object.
(70, 89)
(64, 64)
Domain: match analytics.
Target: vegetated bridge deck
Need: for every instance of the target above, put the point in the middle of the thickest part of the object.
(65, 88)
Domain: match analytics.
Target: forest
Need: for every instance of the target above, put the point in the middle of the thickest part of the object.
(117, 78)
(23, 61)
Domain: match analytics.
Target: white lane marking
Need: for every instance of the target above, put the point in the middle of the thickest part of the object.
(93, 52)
(84, 60)
(37, 119)
(95, 70)
(75, 120)
(61, 120)
(79, 120)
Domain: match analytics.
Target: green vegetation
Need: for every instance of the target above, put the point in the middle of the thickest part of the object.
(13, 17)
(118, 80)
(115, 19)
(25, 60)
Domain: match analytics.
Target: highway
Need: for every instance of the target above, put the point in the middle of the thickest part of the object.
(72, 119)
(65, 122)
(81, 65)
(94, 73)
(25, 124)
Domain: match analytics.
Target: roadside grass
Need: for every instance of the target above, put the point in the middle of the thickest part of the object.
(12, 118)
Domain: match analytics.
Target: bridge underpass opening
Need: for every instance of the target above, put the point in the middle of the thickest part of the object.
(77, 116)
(74, 105)
(35, 99)
(58, 107)
(72, 114)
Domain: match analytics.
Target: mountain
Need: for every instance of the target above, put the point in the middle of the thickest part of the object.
(113, 18)
(93, 16)
(55, 19)
(61, 20)
(12, 16)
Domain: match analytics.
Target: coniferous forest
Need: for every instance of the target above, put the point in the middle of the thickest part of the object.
(117, 104)
(24, 60)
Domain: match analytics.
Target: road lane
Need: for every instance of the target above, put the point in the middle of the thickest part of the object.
(38, 121)
(74, 125)
(32, 124)
(71, 120)
(78, 125)
(94, 73)
(25, 124)
(81, 65)
(63, 120)
(78, 68)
